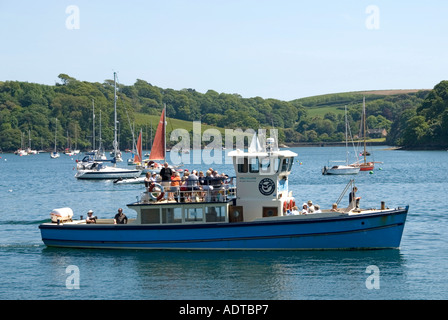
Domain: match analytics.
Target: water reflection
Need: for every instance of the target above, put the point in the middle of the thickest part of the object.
(130, 274)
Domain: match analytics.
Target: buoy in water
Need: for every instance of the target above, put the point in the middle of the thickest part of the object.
(371, 172)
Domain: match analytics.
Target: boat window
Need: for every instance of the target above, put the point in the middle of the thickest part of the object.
(194, 215)
(149, 216)
(254, 166)
(215, 214)
(287, 164)
(291, 161)
(269, 165)
(171, 215)
(242, 164)
(276, 164)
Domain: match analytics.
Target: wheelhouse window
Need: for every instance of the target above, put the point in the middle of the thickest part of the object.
(287, 164)
(269, 165)
(254, 166)
(243, 164)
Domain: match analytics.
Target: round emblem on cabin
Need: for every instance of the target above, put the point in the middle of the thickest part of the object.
(266, 187)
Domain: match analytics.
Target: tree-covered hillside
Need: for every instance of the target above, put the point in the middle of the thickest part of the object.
(424, 127)
(411, 117)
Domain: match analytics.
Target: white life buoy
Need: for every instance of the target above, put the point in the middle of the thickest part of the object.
(151, 194)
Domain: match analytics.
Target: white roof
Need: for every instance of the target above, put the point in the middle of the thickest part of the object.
(280, 153)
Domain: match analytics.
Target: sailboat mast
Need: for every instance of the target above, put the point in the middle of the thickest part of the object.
(115, 114)
(346, 136)
(55, 131)
(93, 124)
(164, 132)
(364, 124)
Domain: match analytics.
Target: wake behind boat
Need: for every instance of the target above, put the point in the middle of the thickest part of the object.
(258, 213)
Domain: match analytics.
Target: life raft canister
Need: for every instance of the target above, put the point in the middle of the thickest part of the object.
(151, 194)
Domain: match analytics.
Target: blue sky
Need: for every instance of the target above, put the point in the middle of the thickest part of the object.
(281, 49)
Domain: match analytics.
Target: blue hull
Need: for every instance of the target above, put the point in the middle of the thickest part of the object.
(368, 231)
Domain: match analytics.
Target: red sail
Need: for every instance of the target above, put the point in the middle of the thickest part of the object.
(138, 154)
(158, 146)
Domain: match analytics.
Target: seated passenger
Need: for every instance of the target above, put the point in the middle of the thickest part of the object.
(304, 209)
(310, 206)
(90, 218)
(334, 208)
(295, 211)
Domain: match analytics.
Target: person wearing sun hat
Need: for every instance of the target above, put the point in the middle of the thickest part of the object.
(310, 206)
(90, 217)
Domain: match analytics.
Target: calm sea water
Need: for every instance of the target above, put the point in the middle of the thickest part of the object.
(31, 186)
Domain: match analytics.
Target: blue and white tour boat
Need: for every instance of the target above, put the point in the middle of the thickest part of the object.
(254, 211)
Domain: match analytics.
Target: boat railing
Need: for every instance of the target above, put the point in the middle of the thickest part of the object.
(185, 194)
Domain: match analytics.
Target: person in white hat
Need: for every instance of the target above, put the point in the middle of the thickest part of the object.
(90, 217)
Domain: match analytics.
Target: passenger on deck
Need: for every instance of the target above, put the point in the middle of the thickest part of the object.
(193, 184)
(317, 209)
(165, 174)
(295, 211)
(304, 209)
(154, 178)
(90, 217)
(148, 180)
(334, 208)
(353, 200)
(120, 217)
(207, 186)
(175, 185)
(310, 206)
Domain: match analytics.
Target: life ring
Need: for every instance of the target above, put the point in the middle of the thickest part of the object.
(292, 204)
(285, 206)
(151, 188)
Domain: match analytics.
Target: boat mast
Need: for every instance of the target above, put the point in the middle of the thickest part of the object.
(55, 130)
(364, 124)
(93, 124)
(164, 131)
(346, 136)
(115, 114)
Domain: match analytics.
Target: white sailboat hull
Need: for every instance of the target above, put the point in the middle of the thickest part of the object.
(340, 170)
(107, 173)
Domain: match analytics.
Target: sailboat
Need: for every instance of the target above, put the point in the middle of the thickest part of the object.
(364, 166)
(346, 168)
(55, 153)
(158, 149)
(137, 159)
(97, 170)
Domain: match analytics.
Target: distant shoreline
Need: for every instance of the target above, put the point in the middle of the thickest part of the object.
(326, 144)
(342, 144)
